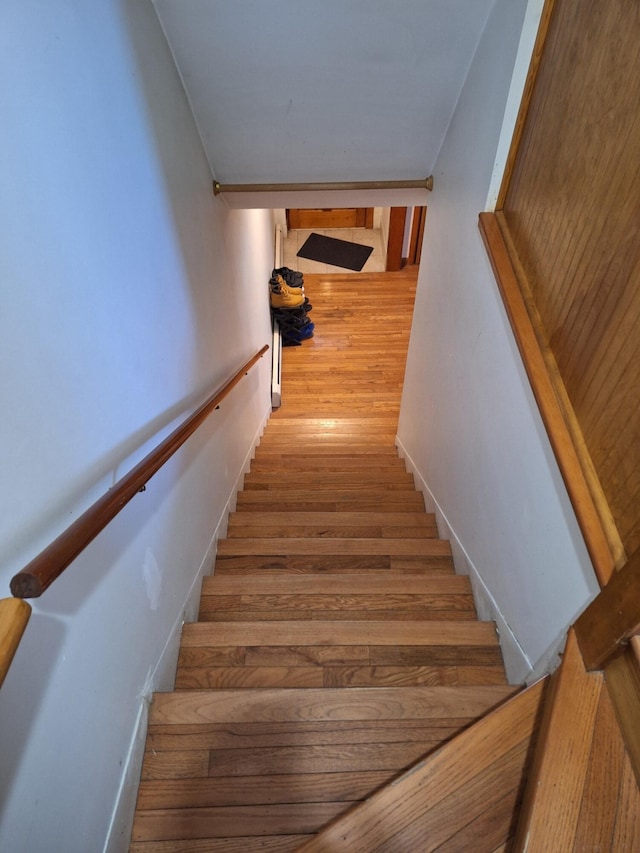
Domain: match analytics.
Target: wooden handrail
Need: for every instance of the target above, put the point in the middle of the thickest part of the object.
(592, 512)
(50, 563)
(14, 615)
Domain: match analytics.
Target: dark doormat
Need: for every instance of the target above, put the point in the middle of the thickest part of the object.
(338, 253)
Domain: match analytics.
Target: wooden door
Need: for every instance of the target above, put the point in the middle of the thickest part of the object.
(331, 217)
(397, 219)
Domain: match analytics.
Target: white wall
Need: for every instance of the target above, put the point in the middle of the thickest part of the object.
(322, 91)
(469, 424)
(128, 292)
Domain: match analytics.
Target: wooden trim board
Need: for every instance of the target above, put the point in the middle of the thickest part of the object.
(598, 534)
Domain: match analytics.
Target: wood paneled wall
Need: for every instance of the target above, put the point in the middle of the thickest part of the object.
(572, 207)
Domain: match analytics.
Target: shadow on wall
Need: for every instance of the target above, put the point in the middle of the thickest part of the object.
(96, 479)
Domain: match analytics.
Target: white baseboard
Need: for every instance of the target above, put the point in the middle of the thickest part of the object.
(517, 665)
(162, 676)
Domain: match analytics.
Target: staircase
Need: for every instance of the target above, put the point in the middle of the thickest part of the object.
(335, 646)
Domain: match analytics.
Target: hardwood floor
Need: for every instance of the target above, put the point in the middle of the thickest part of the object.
(335, 645)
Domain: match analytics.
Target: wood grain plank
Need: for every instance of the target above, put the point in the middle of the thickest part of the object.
(230, 821)
(350, 602)
(357, 547)
(388, 676)
(335, 615)
(434, 781)
(330, 479)
(333, 633)
(179, 764)
(314, 758)
(248, 677)
(345, 519)
(344, 500)
(326, 462)
(435, 827)
(491, 829)
(384, 565)
(436, 655)
(206, 736)
(362, 703)
(256, 844)
(599, 805)
(257, 790)
(626, 833)
(551, 808)
(196, 678)
(336, 584)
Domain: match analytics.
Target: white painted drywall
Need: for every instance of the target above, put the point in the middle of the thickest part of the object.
(469, 424)
(128, 292)
(322, 91)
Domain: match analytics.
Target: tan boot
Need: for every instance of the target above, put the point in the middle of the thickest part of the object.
(279, 284)
(289, 298)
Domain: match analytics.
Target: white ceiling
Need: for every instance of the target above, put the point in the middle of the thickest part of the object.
(322, 90)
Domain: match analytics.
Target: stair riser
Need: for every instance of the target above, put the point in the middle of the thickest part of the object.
(321, 531)
(366, 565)
(344, 584)
(337, 547)
(345, 677)
(392, 501)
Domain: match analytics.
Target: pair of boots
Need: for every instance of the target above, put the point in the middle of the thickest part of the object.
(294, 324)
(283, 296)
(289, 306)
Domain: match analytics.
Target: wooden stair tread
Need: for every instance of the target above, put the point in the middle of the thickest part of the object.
(326, 531)
(380, 439)
(364, 500)
(327, 461)
(340, 484)
(336, 584)
(388, 519)
(307, 758)
(332, 633)
(330, 479)
(345, 448)
(330, 546)
(248, 735)
(261, 613)
(375, 703)
(297, 424)
(370, 564)
(348, 655)
(344, 605)
(249, 677)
